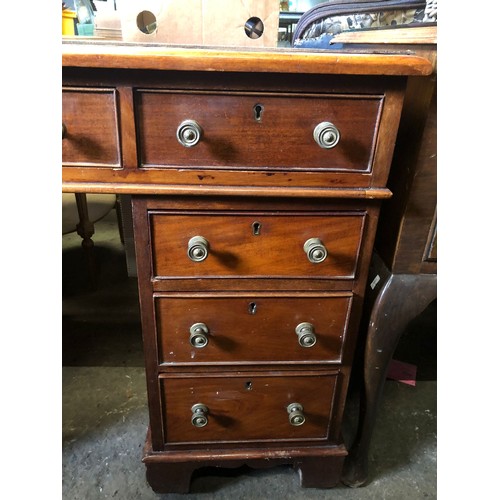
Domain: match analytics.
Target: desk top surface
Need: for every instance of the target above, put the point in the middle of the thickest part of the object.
(128, 55)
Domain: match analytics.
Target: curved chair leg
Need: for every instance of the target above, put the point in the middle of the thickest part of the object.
(400, 299)
(85, 229)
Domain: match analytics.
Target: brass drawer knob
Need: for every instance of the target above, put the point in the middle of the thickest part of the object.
(305, 332)
(315, 250)
(189, 133)
(326, 135)
(198, 335)
(295, 414)
(199, 417)
(197, 248)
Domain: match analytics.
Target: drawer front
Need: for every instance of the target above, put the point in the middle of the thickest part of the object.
(90, 128)
(247, 407)
(256, 245)
(257, 131)
(208, 328)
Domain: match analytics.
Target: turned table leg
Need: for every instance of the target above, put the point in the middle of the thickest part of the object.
(400, 299)
(85, 229)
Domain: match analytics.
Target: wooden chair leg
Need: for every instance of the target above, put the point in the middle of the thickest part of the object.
(85, 229)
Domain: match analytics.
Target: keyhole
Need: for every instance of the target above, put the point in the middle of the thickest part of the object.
(258, 110)
(256, 228)
(248, 386)
(252, 308)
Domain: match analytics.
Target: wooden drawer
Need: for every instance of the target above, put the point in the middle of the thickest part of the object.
(247, 407)
(257, 131)
(254, 244)
(90, 128)
(259, 328)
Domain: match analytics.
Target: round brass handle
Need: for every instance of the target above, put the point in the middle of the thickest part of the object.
(315, 250)
(295, 414)
(326, 135)
(198, 335)
(197, 248)
(199, 417)
(305, 332)
(189, 133)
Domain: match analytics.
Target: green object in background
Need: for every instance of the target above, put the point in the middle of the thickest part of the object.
(85, 16)
(86, 29)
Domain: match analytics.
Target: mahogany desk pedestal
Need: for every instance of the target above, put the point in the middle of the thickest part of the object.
(256, 180)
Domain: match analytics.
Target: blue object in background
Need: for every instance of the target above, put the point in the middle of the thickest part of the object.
(320, 42)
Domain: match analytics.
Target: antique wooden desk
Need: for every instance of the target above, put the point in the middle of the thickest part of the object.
(257, 179)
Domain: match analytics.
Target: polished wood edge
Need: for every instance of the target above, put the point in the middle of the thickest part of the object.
(162, 57)
(328, 294)
(247, 369)
(160, 189)
(243, 454)
(217, 455)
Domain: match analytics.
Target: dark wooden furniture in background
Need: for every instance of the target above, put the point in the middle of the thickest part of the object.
(403, 273)
(254, 232)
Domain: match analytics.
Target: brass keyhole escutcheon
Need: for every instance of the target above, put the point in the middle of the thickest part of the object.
(256, 227)
(252, 308)
(258, 111)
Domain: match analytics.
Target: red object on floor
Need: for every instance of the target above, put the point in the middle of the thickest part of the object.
(402, 372)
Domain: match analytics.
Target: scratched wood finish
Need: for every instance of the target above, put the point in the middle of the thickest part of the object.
(235, 251)
(276, 135)
(128, 186)
(161, 57)
(256, 328)
(170, 471)
(247, 407)
(90, 128)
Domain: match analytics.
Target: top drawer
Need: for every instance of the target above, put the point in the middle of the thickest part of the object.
(257, 131)
(90, 128)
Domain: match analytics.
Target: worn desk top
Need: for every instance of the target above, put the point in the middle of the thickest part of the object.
(99, 56)
(105, 54)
